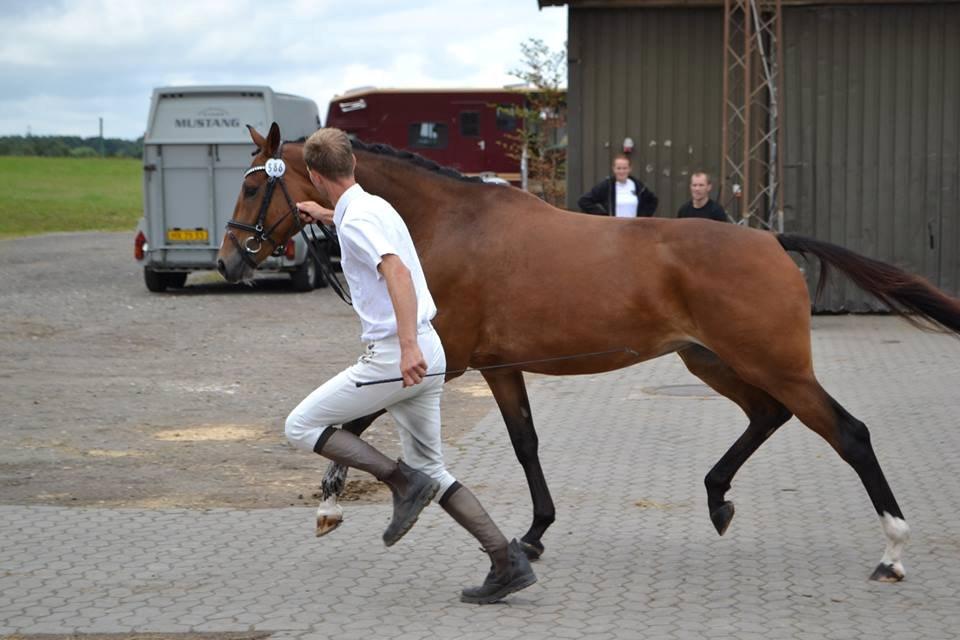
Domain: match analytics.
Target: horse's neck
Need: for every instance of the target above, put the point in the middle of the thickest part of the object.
(405, 187)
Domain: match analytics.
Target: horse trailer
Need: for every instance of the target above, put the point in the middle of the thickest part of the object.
(195, 151)
(469, 130)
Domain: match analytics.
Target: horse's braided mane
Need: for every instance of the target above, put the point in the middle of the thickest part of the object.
(417, 160)
(413, 158)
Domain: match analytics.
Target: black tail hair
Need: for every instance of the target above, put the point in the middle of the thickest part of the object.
(907, 295)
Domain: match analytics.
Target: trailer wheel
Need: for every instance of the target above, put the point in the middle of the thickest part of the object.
(304, 275)
(176, 280)
(155, 281)
(158, 281)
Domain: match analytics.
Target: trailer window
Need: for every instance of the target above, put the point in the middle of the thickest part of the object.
(428, 135)
(470, 123)
(507, 117)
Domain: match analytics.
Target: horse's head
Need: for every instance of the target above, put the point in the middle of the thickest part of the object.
(265, 216)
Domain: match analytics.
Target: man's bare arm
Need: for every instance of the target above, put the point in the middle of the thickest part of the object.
(404, 299)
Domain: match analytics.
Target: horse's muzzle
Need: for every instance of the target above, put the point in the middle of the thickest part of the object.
(232, 267)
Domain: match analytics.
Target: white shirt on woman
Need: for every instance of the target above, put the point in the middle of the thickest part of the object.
(627, 200)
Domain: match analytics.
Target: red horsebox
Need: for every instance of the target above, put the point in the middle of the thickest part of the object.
(465, 129)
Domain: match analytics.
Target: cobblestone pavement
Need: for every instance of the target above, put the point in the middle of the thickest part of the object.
(632, 553)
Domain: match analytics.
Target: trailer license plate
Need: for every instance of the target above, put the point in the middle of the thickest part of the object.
(187, 235)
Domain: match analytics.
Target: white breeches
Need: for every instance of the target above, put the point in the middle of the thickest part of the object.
(416, 409)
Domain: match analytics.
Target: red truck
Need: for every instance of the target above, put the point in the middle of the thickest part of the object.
(465, 129)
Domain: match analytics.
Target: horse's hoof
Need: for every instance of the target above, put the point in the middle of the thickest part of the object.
(533, 550)
(329, 516)
(721, 517)
(887, 573)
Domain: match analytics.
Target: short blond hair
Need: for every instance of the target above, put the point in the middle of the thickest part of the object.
(328, 152)
(706, 175)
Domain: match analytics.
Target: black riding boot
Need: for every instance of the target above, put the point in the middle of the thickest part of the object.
(510, 570)
(412, 490)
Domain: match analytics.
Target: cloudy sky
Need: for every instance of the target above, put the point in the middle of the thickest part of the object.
(65, 63)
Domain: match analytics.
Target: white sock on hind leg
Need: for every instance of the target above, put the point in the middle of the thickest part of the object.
(898, 533)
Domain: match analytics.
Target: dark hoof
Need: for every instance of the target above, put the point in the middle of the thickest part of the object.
(886, 573)
(533, 550)
(721, 517)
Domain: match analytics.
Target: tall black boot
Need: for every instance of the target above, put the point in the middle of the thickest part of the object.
(510, 570)
(412, 490)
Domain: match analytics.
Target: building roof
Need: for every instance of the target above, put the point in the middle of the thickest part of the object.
(365, 91)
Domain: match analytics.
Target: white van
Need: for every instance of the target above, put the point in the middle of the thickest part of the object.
(195, 151)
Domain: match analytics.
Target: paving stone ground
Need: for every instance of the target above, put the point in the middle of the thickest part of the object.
(631, 555)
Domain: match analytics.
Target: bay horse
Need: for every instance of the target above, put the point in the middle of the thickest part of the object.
(516, 280)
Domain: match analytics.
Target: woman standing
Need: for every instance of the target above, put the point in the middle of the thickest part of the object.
(619, 195)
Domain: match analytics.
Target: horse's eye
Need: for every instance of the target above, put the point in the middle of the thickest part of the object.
(249, 191)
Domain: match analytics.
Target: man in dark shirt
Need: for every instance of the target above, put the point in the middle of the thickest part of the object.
(701, 206)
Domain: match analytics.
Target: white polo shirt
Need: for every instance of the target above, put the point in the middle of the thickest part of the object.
(370, 228)
(627, 200)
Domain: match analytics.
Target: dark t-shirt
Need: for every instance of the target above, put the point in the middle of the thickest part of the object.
(710, 211)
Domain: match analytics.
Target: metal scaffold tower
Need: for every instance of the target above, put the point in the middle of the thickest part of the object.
(751, 175)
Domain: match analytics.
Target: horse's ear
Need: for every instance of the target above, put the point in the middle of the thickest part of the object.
(256, 137)
(273, 140)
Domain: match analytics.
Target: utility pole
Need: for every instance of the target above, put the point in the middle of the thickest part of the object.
(101, 137)
(751, 176)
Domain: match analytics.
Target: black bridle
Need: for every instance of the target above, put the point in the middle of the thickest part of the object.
(275, 168)
(274, 176)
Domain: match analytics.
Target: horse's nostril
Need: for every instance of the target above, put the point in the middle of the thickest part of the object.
(222, 268)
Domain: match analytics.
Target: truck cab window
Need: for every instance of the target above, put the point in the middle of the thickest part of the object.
(470, 123)
(507, 118)
(427, 135)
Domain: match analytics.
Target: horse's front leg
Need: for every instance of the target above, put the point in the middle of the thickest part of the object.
(330, 513)
(511, 395)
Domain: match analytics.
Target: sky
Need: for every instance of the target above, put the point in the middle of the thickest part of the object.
(66, 63)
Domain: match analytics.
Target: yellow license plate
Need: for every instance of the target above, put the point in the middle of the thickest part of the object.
(187, 235)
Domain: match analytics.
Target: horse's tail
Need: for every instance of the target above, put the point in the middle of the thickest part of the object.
(907, 295)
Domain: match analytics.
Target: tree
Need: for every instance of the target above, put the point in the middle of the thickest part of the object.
(83, 152)
(68, 146)
(542, 138)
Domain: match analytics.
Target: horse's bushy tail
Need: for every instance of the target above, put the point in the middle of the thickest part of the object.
(907, 295)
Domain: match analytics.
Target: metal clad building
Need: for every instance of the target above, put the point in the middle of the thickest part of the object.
(653, 75)
(871, 118)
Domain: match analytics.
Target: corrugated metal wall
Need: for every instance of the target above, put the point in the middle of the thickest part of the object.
(871, 140)
(871, 121)
(651, 75)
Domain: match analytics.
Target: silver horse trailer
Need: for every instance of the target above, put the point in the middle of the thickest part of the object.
(195, 151)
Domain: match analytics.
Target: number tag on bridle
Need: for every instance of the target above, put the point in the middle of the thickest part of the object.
(275, 167)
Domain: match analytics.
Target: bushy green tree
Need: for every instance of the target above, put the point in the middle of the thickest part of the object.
(64, 146)
(543, 136)
(83, 152)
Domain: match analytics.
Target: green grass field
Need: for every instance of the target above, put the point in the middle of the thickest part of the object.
(39, 195)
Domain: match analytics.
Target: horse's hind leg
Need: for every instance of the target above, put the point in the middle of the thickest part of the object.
(330, 513)
(851, 439)
(511, 395)
(765, 413)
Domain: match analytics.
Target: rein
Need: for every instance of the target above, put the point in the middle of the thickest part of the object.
(275, 168)
(626, 350)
